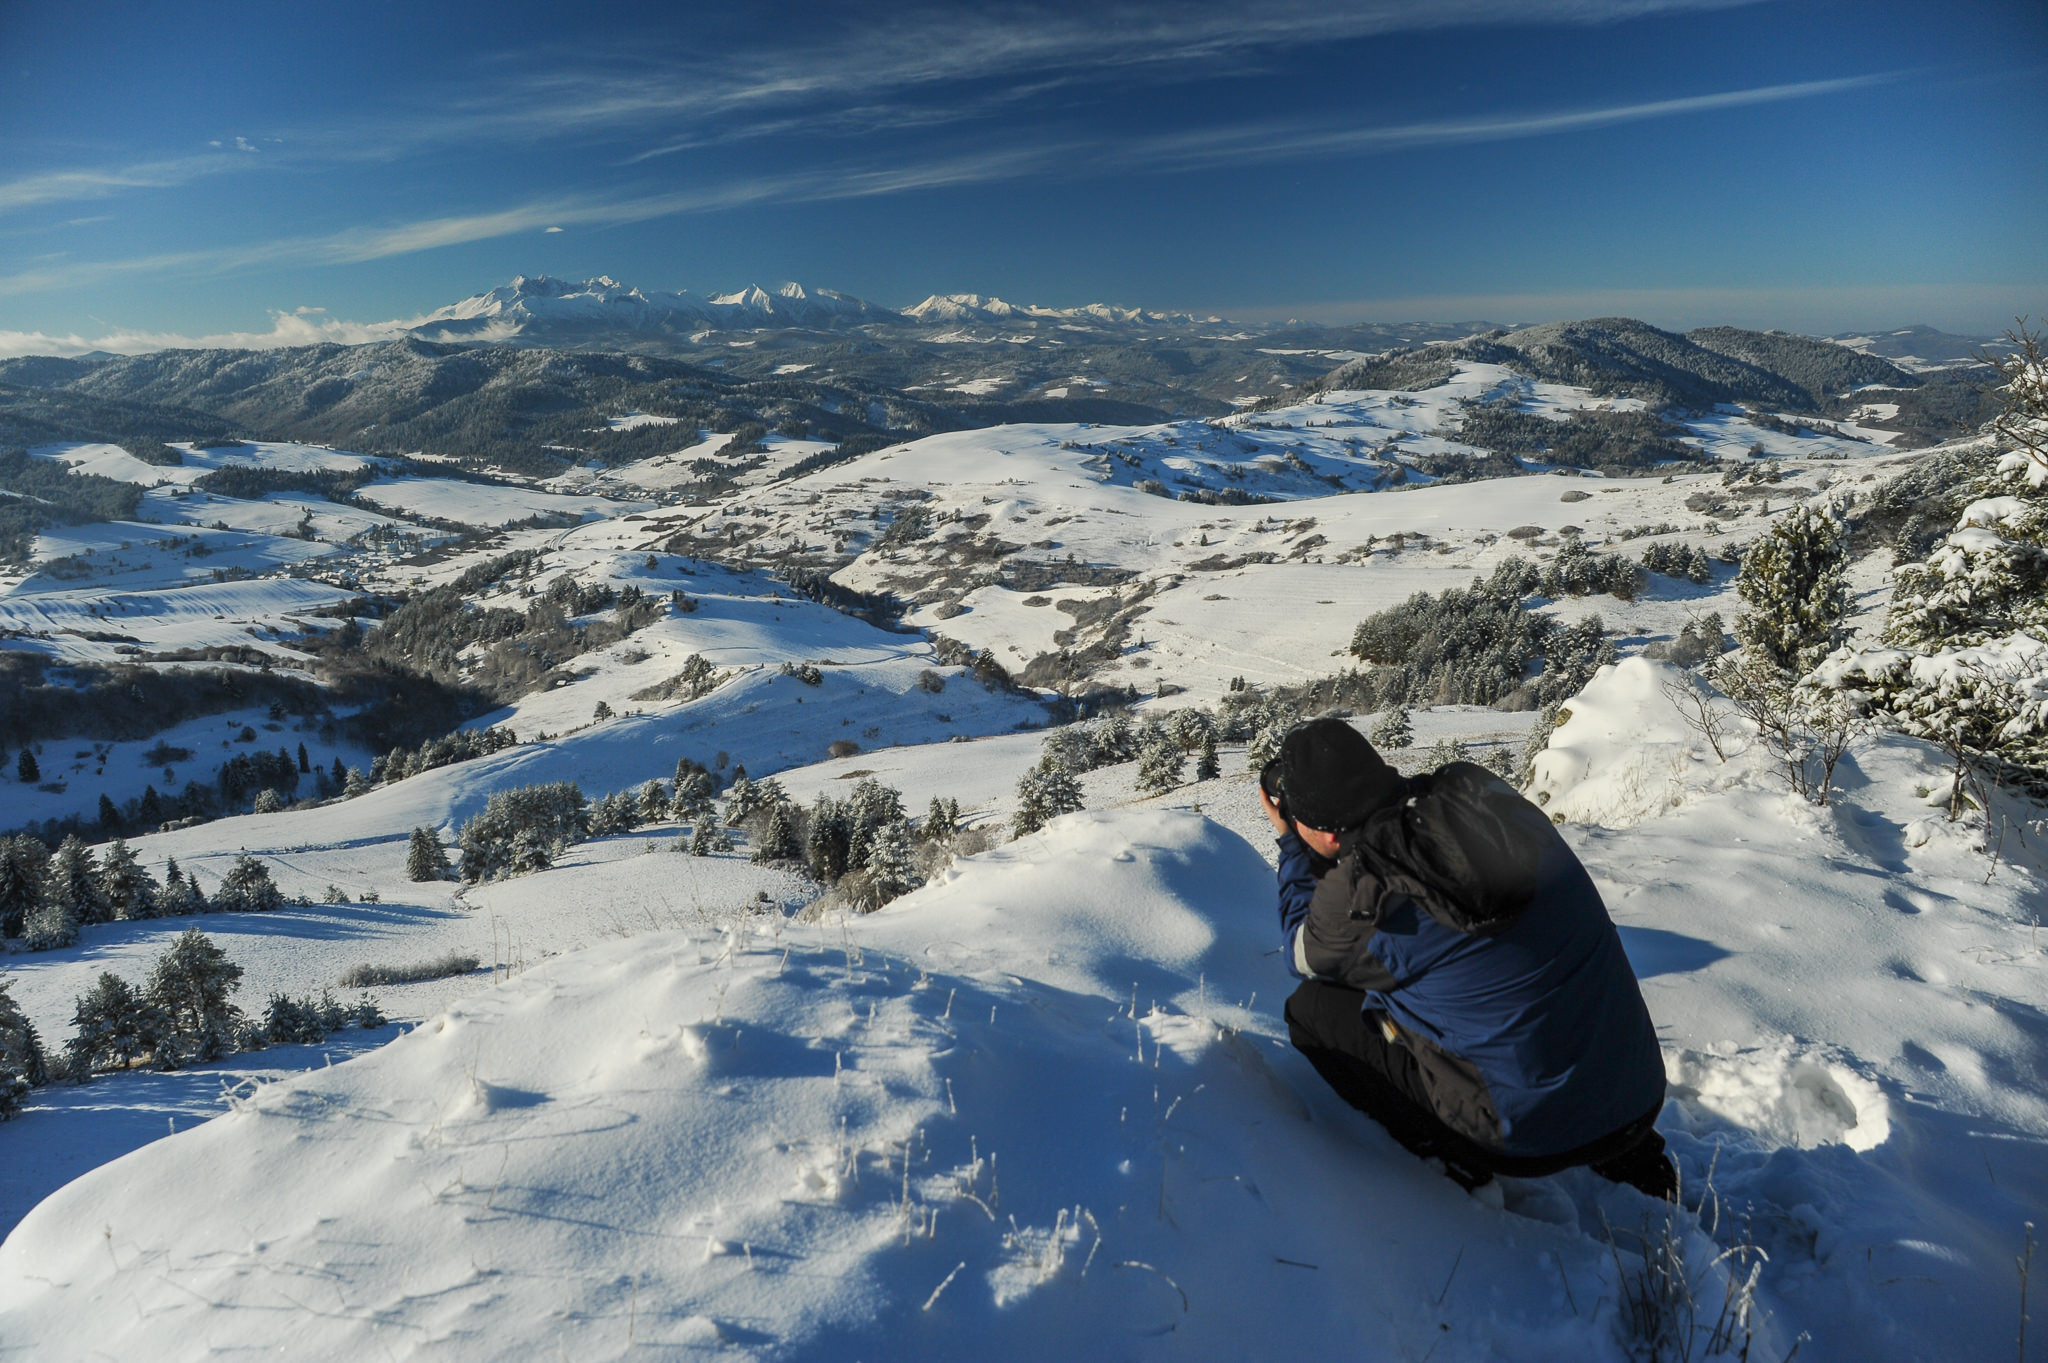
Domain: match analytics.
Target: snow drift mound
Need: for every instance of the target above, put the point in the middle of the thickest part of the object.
(961, 1128)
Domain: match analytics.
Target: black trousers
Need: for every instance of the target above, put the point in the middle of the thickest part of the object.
(1328, 1024)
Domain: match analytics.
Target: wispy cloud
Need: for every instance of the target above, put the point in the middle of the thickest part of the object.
(841, 79)
(1255, 144)
(1283, 140)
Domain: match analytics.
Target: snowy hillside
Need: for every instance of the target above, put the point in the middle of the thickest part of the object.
(1043, 1105)
(1046, 1105)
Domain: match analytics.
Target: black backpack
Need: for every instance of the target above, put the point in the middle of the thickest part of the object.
(1462, 843)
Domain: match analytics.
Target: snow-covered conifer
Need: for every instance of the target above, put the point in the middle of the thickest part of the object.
(777, 837)
(353, 784)
(938, 823)
(190, 986)
(653, 802)
(180, 893)
(70, 897)
(1445, 751)
(424, 858)
(1393, 729)
(1207, 765)
(247, 888)
(22, 1065)
(112, 1027)
(1046, 792)
(709, 836)
(130, 890)
(1792, 581)
(891, 869)
(24, 863)
(1161, 762)
(741, 800)
(26, 769)
(828, 843)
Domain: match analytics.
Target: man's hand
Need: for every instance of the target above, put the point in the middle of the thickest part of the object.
(1273, 815)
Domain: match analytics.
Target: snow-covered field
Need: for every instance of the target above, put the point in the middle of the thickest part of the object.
(1056, 1083)
(1043, 1106)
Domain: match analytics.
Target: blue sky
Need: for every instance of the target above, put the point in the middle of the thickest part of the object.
(290, 171)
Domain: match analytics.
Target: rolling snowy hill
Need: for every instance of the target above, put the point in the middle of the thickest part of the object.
(1044, 1104)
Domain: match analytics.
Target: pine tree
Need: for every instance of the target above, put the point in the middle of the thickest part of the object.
(110, 817)
(71, 898)
(891, 870)
(1393, 729)
(1160, 764)
(1792, 580)
(268, 801)
(180, 894)
(1501, 762)
(112, 1028)
(337, 775)
(1046, 792)
(1444, 752)
(305, 761)
(424, 858)
(938, 825)
(828, 844)
(129, 889)
(22, 1064)
(1207, 766)
(777, 839)
(740, 800)
(24, 864)
(190, 986)
(247, 888)
(709, 836)
(870, 805)
(25, 769)
(352, 783)
(654, 802)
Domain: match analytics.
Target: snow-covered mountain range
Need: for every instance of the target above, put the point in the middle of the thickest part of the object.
(541, 310)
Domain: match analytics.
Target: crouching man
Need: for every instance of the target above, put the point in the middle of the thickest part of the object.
(1463, 985)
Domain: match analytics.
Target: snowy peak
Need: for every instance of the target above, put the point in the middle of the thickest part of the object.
(544, 309)
(541, 309)
(956, 308)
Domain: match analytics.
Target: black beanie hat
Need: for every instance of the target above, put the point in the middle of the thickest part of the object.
(1332, 777)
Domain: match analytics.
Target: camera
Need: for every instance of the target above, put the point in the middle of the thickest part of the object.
(1269, 782)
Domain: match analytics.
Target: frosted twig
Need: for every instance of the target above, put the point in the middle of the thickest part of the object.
(944, 1283)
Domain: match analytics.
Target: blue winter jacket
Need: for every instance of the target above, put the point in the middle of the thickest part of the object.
(1530, 1034)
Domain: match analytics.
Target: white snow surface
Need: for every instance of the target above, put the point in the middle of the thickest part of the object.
(1045, 1107)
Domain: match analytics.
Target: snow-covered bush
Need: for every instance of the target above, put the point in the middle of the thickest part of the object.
(523, 829)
